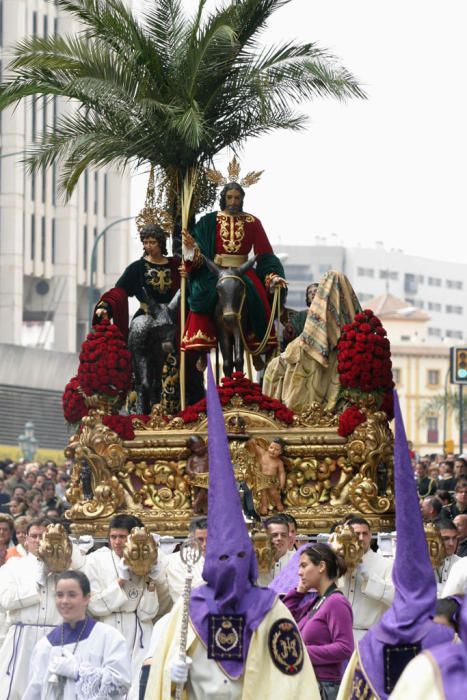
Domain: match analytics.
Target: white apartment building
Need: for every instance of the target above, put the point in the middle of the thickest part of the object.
(45, 244)
(435, 287)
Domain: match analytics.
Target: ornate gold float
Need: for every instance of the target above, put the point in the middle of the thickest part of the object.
(328, 476)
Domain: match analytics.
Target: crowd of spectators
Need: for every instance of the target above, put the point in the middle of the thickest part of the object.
(29, 490)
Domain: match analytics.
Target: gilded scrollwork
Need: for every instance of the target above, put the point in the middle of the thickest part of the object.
(98, 450)
(326, 475)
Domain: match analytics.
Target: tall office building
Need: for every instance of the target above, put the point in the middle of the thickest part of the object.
(45, 248)
(437, 288)
(45, 243)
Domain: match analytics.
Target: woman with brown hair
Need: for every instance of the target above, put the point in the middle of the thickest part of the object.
(324, 619)
(34, 501)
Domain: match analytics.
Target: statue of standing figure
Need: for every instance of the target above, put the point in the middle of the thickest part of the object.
(197, 468)
(270, 478)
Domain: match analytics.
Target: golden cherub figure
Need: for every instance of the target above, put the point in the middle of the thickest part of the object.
(270, 477)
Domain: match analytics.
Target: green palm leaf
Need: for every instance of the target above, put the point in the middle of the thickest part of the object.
(166, 89)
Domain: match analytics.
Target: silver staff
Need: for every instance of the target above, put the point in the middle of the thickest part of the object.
(190, 552)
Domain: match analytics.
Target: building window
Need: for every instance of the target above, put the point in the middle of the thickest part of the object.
(419, 303)
(450, 309)
(432, 430)
(405, 338)
(85, 247)
(54, 184)
(436, 332)
(96, 192)
(454, 334)
(42, 238)
(434, 281)
(105, 194)
(322, 269)
(34, 23)
(434, 306)
(33, 236)
(396, 375)
(86, 190)
(410, 283)
(298, 272)
(388, 275)
(365, 272)
(33, 185)
(54, 242)
(44, 115)
(454, 284)
(362, 296)
(46, 26)
(33, 117)
(433, 377)
(44, 184)
(55, 110)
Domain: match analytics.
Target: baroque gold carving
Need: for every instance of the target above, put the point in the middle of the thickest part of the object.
(140, 552)
(55, 548)
(97, 449)
(326, 475)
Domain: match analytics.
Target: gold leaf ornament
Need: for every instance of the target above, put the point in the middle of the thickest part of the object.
(233, 175)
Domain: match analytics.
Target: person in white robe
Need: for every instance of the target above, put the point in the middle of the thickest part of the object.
(369, 587)
(27, 593)
(450, 537)
(81, 659)
(120, 598)
(456, 583)
(176, 570)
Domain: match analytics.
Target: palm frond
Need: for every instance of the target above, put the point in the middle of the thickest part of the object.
(167, 89)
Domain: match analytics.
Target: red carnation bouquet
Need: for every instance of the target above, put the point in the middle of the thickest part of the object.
(365, 368)
(104, 369)
(73, 404)
(251, 394)
(105, 362)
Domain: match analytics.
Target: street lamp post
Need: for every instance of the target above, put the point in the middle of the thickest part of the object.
(92, 265)
(27, 442)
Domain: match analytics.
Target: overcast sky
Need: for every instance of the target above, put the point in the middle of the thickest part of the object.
(391, 168)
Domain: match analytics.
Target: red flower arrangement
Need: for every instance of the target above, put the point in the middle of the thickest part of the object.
(251, 394)
(73, 404)
(123, 425)
(349, 420)
(105, 362)
(364, 365)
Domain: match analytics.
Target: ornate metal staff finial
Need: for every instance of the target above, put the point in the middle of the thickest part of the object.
(152, 213)
(233, 174)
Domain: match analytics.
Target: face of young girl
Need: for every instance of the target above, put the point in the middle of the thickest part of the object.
(71, 603)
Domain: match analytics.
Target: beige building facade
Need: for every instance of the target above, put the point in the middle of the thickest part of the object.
(421, 374)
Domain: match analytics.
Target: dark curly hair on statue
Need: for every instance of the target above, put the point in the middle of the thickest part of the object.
(226, 188)
(154, 231)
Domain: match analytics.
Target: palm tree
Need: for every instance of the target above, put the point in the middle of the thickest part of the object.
(165, 89)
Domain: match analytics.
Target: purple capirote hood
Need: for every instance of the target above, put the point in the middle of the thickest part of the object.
(230, 568)
(410, 618)
(451, 660)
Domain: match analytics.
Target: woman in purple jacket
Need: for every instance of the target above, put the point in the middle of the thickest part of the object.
(325, 618)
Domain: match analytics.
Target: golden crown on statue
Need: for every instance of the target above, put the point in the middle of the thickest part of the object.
(233, 174)
(152, 213)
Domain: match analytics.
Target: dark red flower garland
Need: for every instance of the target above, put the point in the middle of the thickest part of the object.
(365, 367)
(250, 393)
(104, 368)
(73, 404)
(105, 362)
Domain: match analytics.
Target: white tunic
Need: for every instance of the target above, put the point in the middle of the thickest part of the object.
(104, 668)
(457, 579)
(31, 615)
(130, 609)
(443, 572)
(369, 599)
(176, 572)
